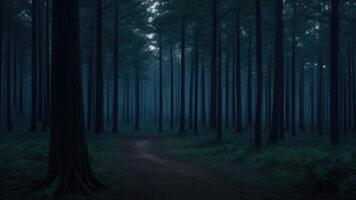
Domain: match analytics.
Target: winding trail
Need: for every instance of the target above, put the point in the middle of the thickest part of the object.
(150, 174)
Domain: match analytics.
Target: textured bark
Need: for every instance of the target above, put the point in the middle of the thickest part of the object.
(68, 153)
(99, 116)
(34, 67)
(334, 55)
(259, 76)
(47, 72)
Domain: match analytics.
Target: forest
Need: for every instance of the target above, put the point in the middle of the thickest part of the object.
(178, 99)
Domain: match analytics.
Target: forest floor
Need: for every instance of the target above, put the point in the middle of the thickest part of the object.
(193, 167)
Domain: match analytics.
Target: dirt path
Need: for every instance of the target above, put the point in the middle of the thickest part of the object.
(152, 175)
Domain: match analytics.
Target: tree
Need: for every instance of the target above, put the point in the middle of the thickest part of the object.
(160, 117)
(213, 73)
(68, 151)
(278, 100)
(172, 87)
(1, 47)
(238, 73)
(99, 116)
(259, 76)
(8, 80)
(116, 71)
(294, 24)
(182, 82)
(334, 60)
(196, 84)
(34, 67)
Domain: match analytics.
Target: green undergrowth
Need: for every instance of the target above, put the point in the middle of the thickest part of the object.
(297, 167)
(23, 163)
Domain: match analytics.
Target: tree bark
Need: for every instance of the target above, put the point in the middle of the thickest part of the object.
(115, 116)
(34, 67)
(99, 116)
(238, 75)
(196, 85)
(182, 83)
(160, 117)
(68, 153)
(334, 55)
(259, 76)
(278, 100)
(172, 88)
(213, 74)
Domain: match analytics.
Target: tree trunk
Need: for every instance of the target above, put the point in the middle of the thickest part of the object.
(196, 85)
(203, 101)
(137, 114)
(172, 88)
(219, 90)
(115, 116)
(34, 67)
(259, 76)
(40, 64)
(191, 87)
(214, 67)
(278, 100)
(8, 82)
(227, 89)
(294, 131)
(334, 55)
(99, 116)
(238, 75)
(1, 51)
(91, 78)
(46, 73)
(301, 99)
(14, 98)
(249, 76)
(68, 153)
(182, 83)
(160, 117)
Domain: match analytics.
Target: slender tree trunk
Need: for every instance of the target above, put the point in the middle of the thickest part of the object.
(294, 131)
(34, 67)
(227, 90)
(99, 116)
(1, 51)
(160, 117)
(68, 141)
(233, 84)
(302, 100)
(238, 75)
(91, 78)
(320, 88)
(40, 64)
(47, 73)
(191, 87)
(137, 114)
(196, 90)
(203, 101)
(182, 83)
(213, 73)
(172, 88)
(259, 76)
(8, 81)
(21, 88)
(334, 55)
(128, 121)
(278, 100)
(249, 76)
(15, 74)
(115, 116)
(219, 90)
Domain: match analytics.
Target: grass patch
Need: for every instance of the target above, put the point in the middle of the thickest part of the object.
(303, 165)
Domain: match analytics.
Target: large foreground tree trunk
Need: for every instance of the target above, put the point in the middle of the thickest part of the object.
(68, 156)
